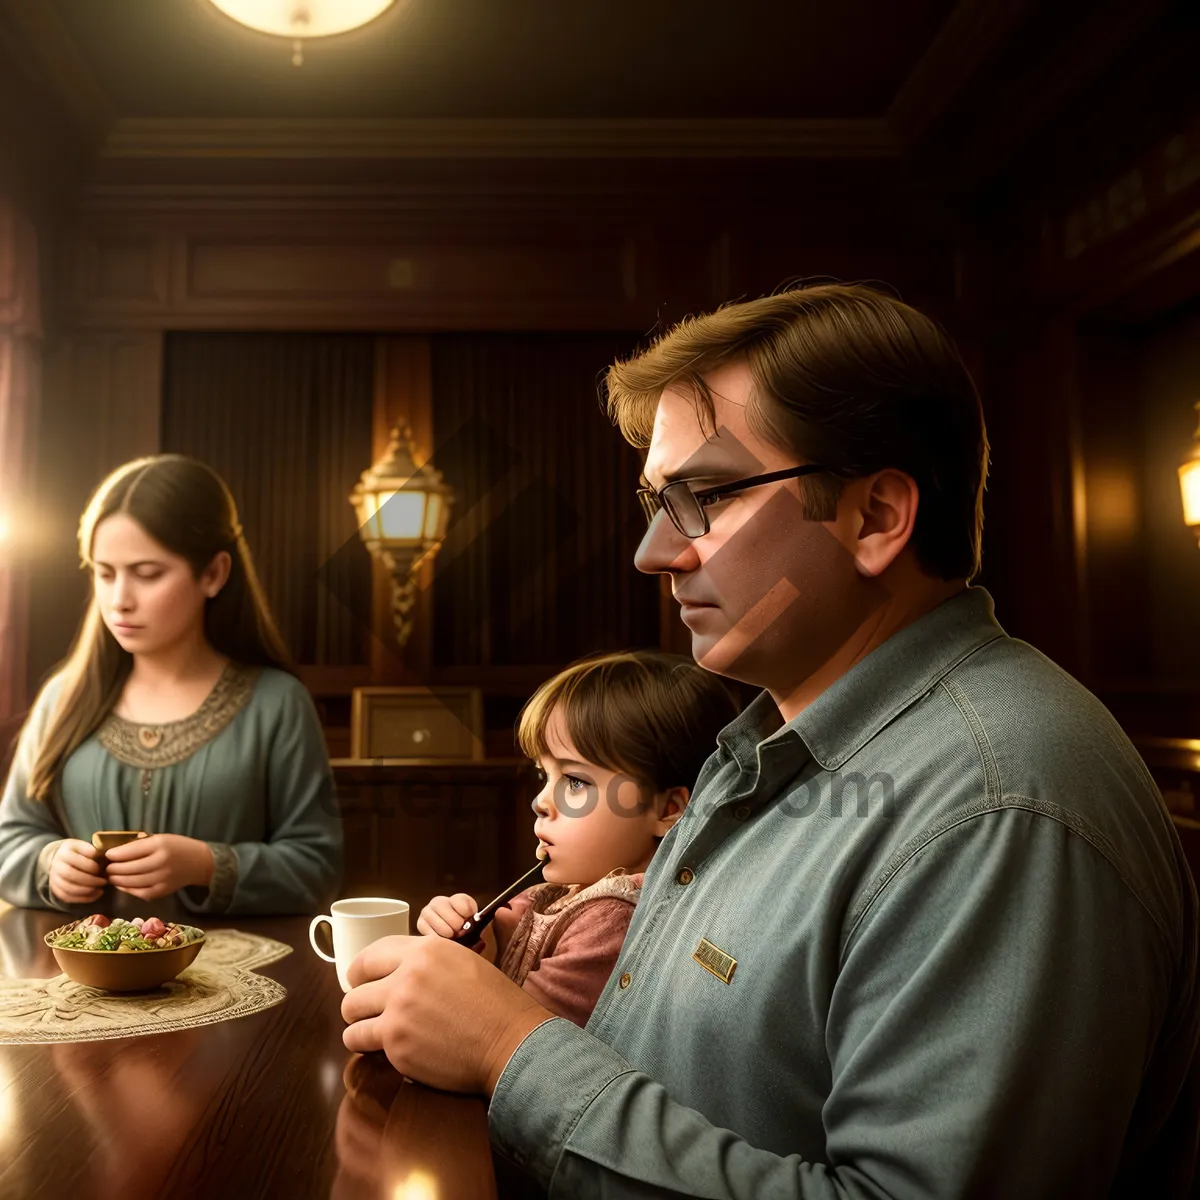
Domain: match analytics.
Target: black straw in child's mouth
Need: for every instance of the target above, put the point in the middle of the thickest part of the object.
(470, 933)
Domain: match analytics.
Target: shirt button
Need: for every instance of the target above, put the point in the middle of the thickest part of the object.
(685, 876)
(626, 979)
(741, 812)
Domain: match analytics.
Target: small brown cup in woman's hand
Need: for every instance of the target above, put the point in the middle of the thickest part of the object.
(109, 839)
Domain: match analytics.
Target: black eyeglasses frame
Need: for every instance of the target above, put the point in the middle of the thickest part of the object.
(653, 502)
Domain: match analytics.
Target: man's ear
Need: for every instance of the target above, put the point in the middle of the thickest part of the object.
(887, 514)
(671, 804)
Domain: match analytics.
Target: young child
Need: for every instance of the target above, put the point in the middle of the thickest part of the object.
(619, 740)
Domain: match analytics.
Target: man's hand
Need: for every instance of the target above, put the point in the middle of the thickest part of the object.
(442, 1015)
(75, 875)
(160, 864)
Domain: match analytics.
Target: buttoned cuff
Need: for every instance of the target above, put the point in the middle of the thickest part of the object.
(546, 1086)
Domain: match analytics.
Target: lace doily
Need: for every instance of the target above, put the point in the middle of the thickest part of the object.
(219, 986)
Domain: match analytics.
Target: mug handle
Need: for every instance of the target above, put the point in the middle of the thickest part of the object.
(312, 937)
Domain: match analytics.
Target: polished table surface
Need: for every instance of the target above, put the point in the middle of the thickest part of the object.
(270, 1105)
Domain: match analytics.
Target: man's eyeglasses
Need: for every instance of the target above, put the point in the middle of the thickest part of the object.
(688, 510)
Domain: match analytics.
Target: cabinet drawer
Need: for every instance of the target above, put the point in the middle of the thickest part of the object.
(419, 723)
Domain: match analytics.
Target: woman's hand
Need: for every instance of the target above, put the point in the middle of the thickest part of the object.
(159, 865)
(75, 875)
(444, 916)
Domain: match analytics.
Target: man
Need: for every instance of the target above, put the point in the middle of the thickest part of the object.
(925, 929)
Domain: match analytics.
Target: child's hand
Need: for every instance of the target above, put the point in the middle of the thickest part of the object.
(444, 916)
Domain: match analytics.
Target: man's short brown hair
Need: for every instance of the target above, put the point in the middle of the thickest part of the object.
(847, 376)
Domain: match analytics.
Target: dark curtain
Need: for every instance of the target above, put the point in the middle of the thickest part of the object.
(286, 420)
(537, 567)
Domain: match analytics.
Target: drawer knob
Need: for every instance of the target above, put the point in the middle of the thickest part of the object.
(420, 735)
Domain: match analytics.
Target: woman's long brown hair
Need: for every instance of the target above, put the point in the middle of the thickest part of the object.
(186, 507)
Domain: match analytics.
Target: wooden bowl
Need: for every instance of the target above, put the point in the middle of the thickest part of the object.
(133, 971)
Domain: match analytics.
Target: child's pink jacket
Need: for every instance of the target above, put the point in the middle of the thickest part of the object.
(560, 942)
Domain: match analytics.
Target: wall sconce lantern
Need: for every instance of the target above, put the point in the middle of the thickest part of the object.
(300, 19)
(1189, 482)
(403, 511)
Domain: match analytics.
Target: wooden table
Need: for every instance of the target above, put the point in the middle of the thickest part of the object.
(270, 1105)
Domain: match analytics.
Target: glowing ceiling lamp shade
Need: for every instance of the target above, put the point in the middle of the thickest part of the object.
(302, 19)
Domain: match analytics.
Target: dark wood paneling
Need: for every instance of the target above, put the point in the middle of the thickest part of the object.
(1084, 255)
(1142, 563)
(286, 420)
(537, 566)
(1031, 560)
(416, 830)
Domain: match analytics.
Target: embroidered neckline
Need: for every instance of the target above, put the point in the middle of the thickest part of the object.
(162, 745)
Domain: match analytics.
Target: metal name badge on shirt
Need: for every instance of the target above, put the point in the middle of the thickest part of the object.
(714, 960)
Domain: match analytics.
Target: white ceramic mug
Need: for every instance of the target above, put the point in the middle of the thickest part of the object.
(354, 925)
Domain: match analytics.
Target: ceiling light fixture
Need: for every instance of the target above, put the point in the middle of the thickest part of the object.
(302, 19)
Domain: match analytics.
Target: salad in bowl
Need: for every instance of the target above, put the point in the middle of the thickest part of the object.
(97, 932)
(124, 956)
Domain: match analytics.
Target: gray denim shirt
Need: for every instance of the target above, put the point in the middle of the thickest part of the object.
(965, 939)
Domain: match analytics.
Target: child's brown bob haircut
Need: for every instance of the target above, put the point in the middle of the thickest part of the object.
(652, 715)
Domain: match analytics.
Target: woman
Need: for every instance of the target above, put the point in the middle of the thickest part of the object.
(176, 713)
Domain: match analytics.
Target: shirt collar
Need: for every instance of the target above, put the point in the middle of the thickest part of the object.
(875, 690)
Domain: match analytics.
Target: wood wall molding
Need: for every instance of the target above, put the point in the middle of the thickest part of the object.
(273, 138)
(412, 281)
(426, 260)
